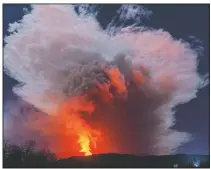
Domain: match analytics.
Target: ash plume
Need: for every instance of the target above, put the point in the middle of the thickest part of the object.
(116, 86)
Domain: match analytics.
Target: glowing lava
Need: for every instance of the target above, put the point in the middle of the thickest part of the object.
(84, 142)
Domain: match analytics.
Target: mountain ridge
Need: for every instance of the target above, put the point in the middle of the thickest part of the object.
(129, 160)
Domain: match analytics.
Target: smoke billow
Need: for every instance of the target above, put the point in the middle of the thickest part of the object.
(97, 90)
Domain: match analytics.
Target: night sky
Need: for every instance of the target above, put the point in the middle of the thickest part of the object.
(182, 21)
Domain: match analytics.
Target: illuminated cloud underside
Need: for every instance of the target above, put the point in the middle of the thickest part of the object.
(113, 88)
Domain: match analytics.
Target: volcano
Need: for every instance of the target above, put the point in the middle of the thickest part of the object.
(115, 160)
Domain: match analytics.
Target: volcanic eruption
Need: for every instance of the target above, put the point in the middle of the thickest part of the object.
(91, 90)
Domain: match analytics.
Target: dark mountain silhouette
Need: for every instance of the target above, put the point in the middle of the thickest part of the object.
(127, 160)
(27, 156)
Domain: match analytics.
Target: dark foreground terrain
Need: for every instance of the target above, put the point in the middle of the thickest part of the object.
(27, 156)
(121, 160)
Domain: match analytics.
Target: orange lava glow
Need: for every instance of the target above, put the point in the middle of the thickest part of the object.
(116, 80)
(69, 128)
(84, 142)
(71, 112)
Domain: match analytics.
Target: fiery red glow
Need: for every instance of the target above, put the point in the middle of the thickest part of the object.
(97, 90)
(70, 114)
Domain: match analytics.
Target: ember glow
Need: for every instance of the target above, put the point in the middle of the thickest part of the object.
(85, 144)
(96, 90)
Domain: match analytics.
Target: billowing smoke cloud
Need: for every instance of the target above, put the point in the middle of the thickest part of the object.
(96, 90)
